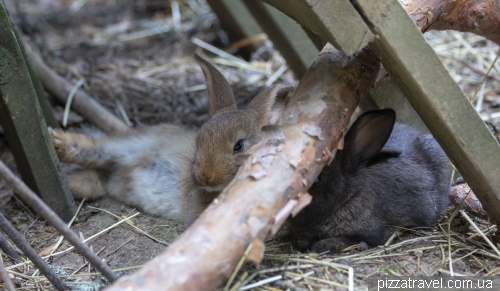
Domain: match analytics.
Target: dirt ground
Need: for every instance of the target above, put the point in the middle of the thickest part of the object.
(139, 65)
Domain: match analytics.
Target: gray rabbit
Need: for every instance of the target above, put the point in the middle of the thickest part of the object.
(387, 176)
(166, 169)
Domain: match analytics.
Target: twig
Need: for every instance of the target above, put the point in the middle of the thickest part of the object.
(480, 232)
(83, 103)
(133, 226)
(237, 269)
(5, 277)
(31, 253)
(86, 263)
(5, 246)
(99, 233)
(262, 282)
(484, 79)
(449, 248)
(276, 75)
(237, 285)
(219, 52)
(69, 225)
(70, 99)
(41, 208)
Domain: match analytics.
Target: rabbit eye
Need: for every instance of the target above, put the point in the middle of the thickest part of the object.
(238, 146)
(318, 180)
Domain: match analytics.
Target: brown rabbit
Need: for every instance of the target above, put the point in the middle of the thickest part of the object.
(150, 167)
(223, 141)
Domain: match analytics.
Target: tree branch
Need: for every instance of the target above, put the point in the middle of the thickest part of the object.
(82, 103)
(270, 185)
(462, 194)
(31, 254)
(479, 17)
(41, 208)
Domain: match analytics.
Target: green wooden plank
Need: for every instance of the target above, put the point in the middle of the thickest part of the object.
(337, 21)
(236, 20)
(287, 36)
(387, 94)
(436, 97)
(25, 127)
(47, 112)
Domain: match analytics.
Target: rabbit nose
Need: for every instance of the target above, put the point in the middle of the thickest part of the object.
(208, 177)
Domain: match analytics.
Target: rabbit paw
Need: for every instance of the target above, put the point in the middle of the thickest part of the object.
(333, 245)
(66, 144)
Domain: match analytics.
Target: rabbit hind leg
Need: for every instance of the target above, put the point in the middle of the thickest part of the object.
(87, 184)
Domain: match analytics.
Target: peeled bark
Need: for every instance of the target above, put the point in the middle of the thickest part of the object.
(270, 185)
(462, 194)
(479, 17)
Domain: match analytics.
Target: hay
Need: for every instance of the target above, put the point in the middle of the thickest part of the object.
(136, 60)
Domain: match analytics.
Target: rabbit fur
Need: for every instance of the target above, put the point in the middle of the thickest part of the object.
(156, 168)
(388, 176)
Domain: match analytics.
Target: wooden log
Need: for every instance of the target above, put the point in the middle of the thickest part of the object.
(479, 17)
(463, 194)
(436, 97)
(25, 128)
(336, 21)
(82, 103)
(270, 185)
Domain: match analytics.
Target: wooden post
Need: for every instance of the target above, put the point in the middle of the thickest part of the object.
(287, 36)
(436, 97)
(336, 21)
(25, 127)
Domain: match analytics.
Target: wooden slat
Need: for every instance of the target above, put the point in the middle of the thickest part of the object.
(25, 127)
(337, 21)
(436, 97)
(387, 94)
(236, 19)
(287, 35)
(47, 112)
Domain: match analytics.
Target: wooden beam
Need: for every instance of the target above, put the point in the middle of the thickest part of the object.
(436, 97)
(25, 127)
(337, 21)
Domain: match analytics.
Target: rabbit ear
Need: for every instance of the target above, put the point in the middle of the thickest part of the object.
(270, 104)
(367, 136)
(220, 95)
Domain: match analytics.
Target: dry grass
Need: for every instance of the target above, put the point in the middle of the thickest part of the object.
(136, 59)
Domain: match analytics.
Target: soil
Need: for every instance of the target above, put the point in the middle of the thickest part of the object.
(153, 79)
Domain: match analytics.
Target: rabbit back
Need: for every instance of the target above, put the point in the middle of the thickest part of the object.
(366, 197)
